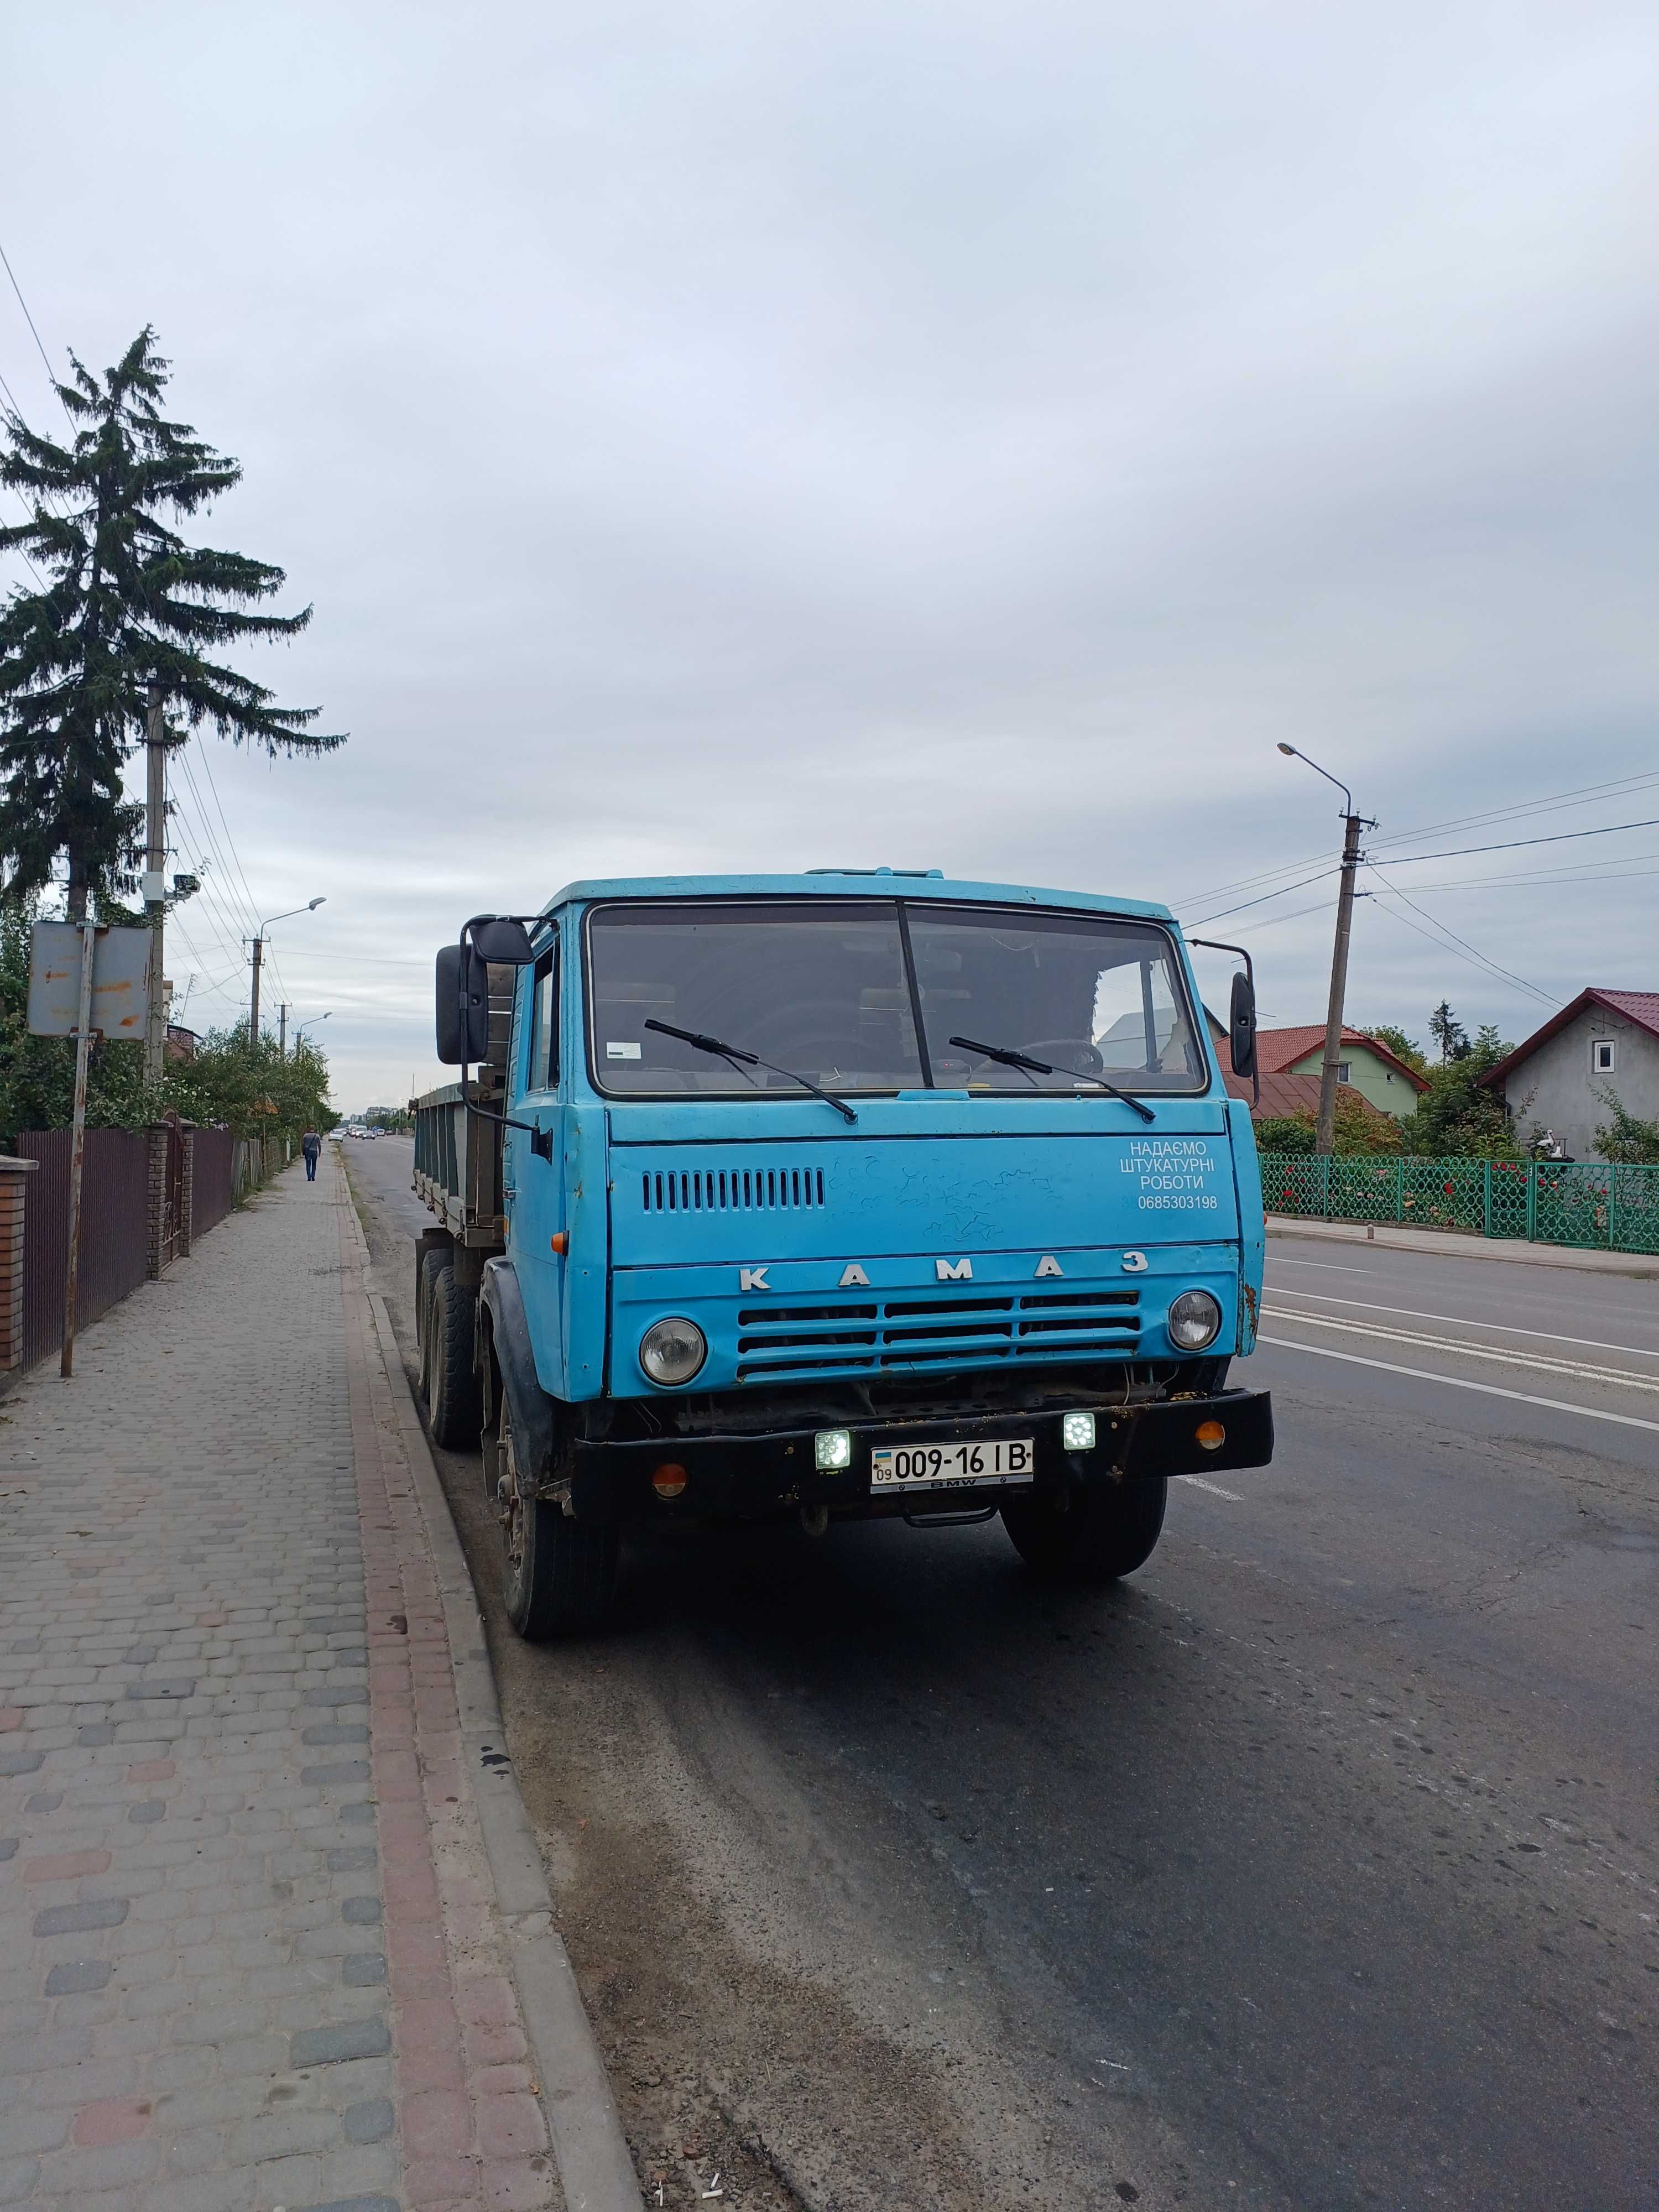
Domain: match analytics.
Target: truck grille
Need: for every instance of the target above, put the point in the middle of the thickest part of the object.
(734, 1190)
(972, 1330)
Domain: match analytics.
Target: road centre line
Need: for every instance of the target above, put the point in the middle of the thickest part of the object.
(1461, 1320)
(1457, 1383)
(1581, 1370)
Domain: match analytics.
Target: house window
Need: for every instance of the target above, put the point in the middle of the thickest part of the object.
(1342, 1066)
(1602, 1055)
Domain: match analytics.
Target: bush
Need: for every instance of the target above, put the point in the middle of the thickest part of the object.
(1625, 1141)
(1455, 1118)
(1359, 1131)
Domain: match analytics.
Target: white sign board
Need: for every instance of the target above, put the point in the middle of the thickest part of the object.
(120, 981)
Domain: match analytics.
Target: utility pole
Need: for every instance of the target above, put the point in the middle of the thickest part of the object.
(1325, 1134)
(1325, 1129)
(281, 1031)
(155, 854)
(310, 907)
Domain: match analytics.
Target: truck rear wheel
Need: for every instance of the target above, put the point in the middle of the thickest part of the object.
(452, 1394)
(426, 1274)
(558, 1576)
(1103, 1533)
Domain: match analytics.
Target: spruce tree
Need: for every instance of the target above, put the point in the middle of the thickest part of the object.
(1449, 1034)
(126, 603)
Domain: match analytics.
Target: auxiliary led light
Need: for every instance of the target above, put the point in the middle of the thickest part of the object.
(1077, 1431)
(832, 1448)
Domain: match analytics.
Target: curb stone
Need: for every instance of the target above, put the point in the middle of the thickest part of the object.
(589, 2146)
(1460, 1244)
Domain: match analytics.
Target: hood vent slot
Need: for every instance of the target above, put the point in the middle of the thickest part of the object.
(732, 1190)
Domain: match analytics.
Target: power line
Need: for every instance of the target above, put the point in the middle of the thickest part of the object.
(1472, 951)
(1283, 891)
(1581, 795)
(28, 317)
(1514, 844)
(207, 770)
(1584, 871)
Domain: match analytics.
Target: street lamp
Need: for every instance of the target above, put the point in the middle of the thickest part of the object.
(259, 954)
(1325, 1134)
(308, 1025)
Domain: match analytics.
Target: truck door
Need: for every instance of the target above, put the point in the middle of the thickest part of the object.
(533, 1188)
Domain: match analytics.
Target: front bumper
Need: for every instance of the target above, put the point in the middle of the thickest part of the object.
(750, 1476)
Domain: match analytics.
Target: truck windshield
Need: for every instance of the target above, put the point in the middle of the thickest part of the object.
(824, 988)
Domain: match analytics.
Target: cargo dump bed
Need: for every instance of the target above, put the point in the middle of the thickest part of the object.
(458, 1157)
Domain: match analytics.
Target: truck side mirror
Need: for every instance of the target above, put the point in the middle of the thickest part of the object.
(505, 942)
(1241, 1026)
(462, 1005)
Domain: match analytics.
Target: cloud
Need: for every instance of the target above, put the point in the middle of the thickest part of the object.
(970, 436)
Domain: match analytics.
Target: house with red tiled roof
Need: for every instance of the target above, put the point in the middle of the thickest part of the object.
(1285, 1096)
(1380, 1077)
(1605, 1043)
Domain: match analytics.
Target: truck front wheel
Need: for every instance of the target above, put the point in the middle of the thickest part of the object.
(558, 1576)
(1102, 1533)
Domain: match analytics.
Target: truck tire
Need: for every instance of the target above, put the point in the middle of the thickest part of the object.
(454, 1399)
(558, 1576)
(426, 1270)
(1104, 1534)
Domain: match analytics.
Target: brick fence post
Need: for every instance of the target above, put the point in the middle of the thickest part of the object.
(158, 1199)
(187, 1201)
(14, 1195)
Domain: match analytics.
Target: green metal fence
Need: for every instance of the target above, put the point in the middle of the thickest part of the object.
(1548, 1202)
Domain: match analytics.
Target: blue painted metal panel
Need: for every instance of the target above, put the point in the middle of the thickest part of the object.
(912, 1114)
(859, 887)
(1252, 1222)
(661, 1220)
(799, 1321)
(854, 1199)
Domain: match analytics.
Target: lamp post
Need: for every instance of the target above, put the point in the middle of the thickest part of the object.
(309, 1024)
(260, 954)
(1325, 1134)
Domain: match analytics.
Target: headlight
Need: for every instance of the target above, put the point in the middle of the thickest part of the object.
(832, 1448)
(672, 1351)
(1194, 1321)
(1077, 1431)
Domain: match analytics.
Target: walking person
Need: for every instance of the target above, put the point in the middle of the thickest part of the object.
(312, 1146)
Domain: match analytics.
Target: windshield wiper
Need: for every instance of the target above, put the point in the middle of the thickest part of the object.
(730, 1052)
(1043, 1067)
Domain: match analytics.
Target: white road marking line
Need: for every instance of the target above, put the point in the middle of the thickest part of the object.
(1329, 1266)
(1457, 1383)
(1461, 1320)
(1234, 1497)
(1579, 1371)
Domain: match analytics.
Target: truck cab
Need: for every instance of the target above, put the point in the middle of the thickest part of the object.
(835, 1196)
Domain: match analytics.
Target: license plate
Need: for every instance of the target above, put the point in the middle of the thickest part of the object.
(914, 1466)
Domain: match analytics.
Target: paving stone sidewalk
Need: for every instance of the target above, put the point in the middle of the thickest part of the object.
(249, 1952)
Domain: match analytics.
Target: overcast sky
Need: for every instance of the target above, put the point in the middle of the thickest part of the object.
(739, 436)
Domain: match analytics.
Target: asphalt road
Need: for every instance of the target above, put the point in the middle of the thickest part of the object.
(1312, 1867)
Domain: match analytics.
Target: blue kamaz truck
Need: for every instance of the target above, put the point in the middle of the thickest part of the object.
(843, 1195)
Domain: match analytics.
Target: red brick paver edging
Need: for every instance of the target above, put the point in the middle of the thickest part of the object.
(471, 2127)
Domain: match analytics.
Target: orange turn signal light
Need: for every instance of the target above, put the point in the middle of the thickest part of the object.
(1211, 1435)
(560, 1242)
(669, 1479)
